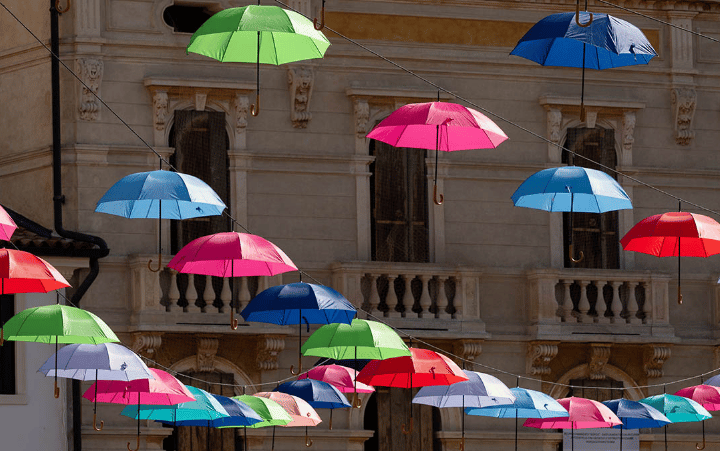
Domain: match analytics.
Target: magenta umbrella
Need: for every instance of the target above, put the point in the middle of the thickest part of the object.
(582, 414)
(231, 254)
(7, 225)
(342, 377)
(707, 396)
(438, 125)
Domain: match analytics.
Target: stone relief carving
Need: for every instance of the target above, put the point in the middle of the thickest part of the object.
(206, 350)
(242, 107)
(268, 349)
(300, 83)
(146, 344)
(554, 121)
(362, 117)
(654, 356)
(599, 356)
(200, 100)
(91, 72)
(467, 349)
(628, 130)
(684, 100)
(160, 110)
(540, 355)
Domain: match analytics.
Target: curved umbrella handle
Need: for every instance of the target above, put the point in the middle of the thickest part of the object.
(95, 426)
(62, 10)
(308, 442)
(435, 196)
(572, 255)
(698, 447)
(322, 18)
(462, 444)
(159, 264)
(57, 389)
(408, 431)
(356, 402)
(577, 16)
(137, 446)
(255, 107)
(233, 321)
(292, 367)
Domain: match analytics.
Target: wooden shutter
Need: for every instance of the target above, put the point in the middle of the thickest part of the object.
(392, 407)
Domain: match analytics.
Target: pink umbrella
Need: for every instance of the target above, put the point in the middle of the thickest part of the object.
(300, 411)
(231, 254)
(583, 414)
(342, 377)
(707, 396)
(7, 225)
(440, 126)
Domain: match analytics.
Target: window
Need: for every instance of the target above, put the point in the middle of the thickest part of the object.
(593, 234)
(7, 350)
(185, 18)
(399, 204)
(597, 390)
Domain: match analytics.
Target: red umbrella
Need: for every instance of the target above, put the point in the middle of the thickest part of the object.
(707, 396)
(582, 414)
(422, 368)
(674, 234)
(232, 254)
(23, 272)
(7, 225)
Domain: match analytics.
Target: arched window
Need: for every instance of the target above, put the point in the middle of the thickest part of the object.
(596, 235)
(598, 390)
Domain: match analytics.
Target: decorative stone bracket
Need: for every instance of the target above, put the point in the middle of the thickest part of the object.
(300, 84)
(268, 348)
(540, 354)
(91, 73)
(684, 101)
(206, 350)
(146, 343)
(467, 349)
(599, 356)
(654, 356)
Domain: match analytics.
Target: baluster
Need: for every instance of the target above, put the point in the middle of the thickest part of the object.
(584, 304)
(567, 305)
(632, 306)
(225, 295)
(208, 295)
(408, 300)
(191, 294)
(457, 301)
(374, 299)
(616, 305)
(425, 299)
(173, 292)
(391, 299)
(243, 294)
(600, 305)
(442, 300)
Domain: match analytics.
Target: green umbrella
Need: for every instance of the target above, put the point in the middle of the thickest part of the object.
(259, 34)
(59, 324)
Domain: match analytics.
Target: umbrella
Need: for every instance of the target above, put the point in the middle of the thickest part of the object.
(480, 390)
(320, 395)
(231, 254)
(707, 396)
(258, 34)
(23, 272)
(58, 323)
(714, 381)
(141, 195)
(7, 225)
(674, 234)
(605, 42)
(635, 415)
(582, 414)
(271, 413)
(296, 303)
(361, 339)
(341, 377)
(528, 404)
(203, 408)
(677, 409)
(571, 189)
(440, 126)
(105, 361)
(422, 368)
(300, 411)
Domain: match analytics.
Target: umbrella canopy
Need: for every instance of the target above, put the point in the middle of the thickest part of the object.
(105, 361)
(160, 194)
(636, 415)
(300, 411)
(57, 324)
(231, 36)
(23, 272)
(423, 367)
(271, 413)
(320, 395)
(707, 396)
(677, 408)
(341, 377)
(571, 188)
(7, 225)
(164, 389)
(582, 414)
(361, 339)
(714, 381)
(203, 408)
(528, 404)
(239, 414)
(479, 390)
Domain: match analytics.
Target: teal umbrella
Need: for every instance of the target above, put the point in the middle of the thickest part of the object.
(205, 407)
(677, 409)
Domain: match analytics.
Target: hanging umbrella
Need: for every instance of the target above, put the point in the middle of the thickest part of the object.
(231, 254)
(300, 411)
(705, 395)
(480, 390)
(582, 414)
(258, 34)
(605, 42)
(105, 361)
(674, 234)
(160, 194)
(571, 189)
(677, 409)
(635, 415)
(7, 225)
(271, 413)
(422, 368)
(296, 303)
(355, 365)
(341, 377)
(714, 381)
(440, 126)
(362, 339)
(203, 408)
(528, 404)
(23, 272)
(320, 395)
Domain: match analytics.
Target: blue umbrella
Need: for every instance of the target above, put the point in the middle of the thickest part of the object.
(635, 415)
(141, 195)
(528, 404)
(605, 42)
(295, 303)
(571, 189)
(715, 380)
(319, 394)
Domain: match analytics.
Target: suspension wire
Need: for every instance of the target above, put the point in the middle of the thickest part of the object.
(439, 88)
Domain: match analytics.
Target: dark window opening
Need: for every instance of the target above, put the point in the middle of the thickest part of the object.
(7, 350)
(597, 390)
(185, 18)
(388, 411)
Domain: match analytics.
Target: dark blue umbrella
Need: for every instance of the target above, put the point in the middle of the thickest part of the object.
(602, 42)
(319, 394)
(635, 415)
(160, 194)
(297, 303)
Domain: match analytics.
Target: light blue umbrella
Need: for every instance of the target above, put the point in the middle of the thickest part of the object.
(319, 394)
(528, 404)
(636, 415)
(160, 194)
(239, 414)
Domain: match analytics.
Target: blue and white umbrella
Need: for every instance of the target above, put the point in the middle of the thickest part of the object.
(636, 415)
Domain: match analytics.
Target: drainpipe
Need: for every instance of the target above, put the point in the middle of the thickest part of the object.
(59, 200)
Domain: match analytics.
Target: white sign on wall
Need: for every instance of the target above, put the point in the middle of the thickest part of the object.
(601, 439)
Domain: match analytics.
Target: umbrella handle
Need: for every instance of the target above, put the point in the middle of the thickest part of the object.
(308, 442)
(357, 402)
(408, 431)
(95, 426)
(435, 196)
(322, 18)
(255, 107)
(680, 299)
(572, 255)
(137, 447)
(698, 447)
(292, 367)
(159, 264)
(57, 389)
(462, 444)
(577, 16)
(62, 10)
(233, 321)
